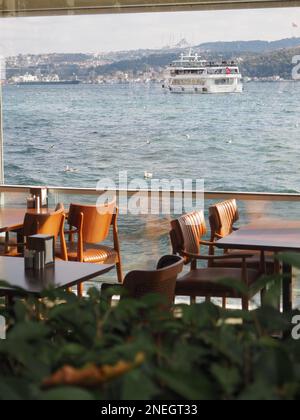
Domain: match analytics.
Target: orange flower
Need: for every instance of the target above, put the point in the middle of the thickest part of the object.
(92, 375)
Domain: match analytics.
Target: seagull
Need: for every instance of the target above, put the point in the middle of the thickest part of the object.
(70, 170)
(229, 141)
(148, 175)
(188, 136)
(148, 142)
(52, 147)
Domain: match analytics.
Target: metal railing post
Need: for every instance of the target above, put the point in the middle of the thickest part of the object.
(1, 145)
(1, 139)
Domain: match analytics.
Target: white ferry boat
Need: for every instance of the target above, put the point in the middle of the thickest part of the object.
(191, 74)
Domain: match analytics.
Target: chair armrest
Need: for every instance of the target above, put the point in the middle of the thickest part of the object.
(208, 243)
(218, 236)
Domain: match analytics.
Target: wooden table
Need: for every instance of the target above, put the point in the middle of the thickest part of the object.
(13, 218)
(273, 236)
(62, 275)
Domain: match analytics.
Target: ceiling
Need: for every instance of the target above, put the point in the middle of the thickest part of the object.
(64, 7)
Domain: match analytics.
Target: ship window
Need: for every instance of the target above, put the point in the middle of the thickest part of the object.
(224, 82)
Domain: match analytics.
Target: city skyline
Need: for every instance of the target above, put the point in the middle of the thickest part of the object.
(89, 34)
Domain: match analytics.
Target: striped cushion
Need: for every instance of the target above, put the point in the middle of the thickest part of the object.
(93, 254)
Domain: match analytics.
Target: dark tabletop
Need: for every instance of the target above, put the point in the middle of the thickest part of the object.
(61, 275)
(265, 235)
(13, 218)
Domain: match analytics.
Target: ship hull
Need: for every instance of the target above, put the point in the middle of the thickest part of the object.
(204, 90)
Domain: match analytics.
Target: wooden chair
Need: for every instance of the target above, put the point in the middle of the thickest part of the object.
(43, 224)
(161, 281)
(90, 225)
(222, 218)
(186, 237)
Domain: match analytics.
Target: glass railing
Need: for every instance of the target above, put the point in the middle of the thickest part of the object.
(145, 238)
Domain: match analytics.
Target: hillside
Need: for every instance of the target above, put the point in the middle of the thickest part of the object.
(256, 59)
(237, 47)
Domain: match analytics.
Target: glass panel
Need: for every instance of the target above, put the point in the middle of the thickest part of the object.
(145, 238)
(74, 117)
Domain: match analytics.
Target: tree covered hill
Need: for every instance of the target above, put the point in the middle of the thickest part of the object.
(256, 59)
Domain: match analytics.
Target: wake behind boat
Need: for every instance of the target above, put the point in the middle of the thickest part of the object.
(191, 74)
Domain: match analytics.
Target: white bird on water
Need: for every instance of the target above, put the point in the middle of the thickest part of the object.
(148, 175)
(70, 170)
(187, 136)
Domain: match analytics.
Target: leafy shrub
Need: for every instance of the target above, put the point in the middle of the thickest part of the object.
(133, 351)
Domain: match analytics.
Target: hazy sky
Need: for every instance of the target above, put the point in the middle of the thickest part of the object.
(98, 33)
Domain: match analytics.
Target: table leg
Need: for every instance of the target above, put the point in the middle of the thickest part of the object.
(9, 302)
(20, 240)
(287, 288)
(6, 249)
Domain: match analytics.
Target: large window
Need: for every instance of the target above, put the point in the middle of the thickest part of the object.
(83, 99)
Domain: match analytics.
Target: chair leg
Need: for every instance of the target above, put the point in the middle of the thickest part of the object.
(6, 247)
(119, 272)
(192, 300)
(245, 304)
(262, 296)
(224, 302)
(9, 302)
(80, 290)
(207, 299)
(276, 264)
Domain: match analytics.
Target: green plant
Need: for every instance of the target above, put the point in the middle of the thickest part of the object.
(134, 351)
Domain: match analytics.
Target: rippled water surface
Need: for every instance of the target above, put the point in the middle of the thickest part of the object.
(239, 142)
(246, 141)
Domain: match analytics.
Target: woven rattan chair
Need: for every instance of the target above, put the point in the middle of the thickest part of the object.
(222, 218)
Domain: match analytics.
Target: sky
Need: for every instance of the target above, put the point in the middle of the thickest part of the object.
(103, 33)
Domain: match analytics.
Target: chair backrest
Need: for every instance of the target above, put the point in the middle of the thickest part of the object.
(187, 231)
(161, 281)
(45, 223)
(222, 217)
(92, 221)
